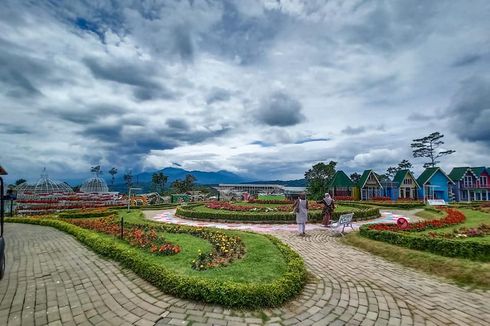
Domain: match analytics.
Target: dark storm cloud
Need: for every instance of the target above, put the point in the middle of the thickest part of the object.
(311, 140)
(243, 38)
(19, 73)
(467, 60)
(123, 73)
(13, 129)
(354, 130)
(421, 117)
(83, 114)
(469, 112)
(218, 95)
(183, 43)
(280, 110)
(176, 123)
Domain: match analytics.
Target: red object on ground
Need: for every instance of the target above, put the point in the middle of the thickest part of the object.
(402, 223)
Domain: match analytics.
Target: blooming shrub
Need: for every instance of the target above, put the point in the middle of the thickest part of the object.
(453, 217)
(343, 198)
(141, 237)
(227, 206)
(225, 250)
(270, 201)
(464, 232)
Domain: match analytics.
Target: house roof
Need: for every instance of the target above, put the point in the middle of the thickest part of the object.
(428, 174)
(364, 178)
(479, 170)
(340, 179)
(459, 172)
(401, 175)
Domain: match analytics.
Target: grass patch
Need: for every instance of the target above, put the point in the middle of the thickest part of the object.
(430, 214)
(462, 271)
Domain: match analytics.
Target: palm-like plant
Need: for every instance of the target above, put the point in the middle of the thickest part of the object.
(113, 172)
(159, 180)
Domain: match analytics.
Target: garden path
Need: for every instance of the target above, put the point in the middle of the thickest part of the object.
(52, 278)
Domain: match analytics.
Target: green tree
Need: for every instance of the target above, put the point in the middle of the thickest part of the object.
(182, 186)
(403, 165)
(158, 180)
(428, 147)
(355, 177)
(128, 179)
(113, 172)
(19, 181)
(318, 177)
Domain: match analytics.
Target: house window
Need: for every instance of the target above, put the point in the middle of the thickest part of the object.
(407, 181)
(483, 180)
(468, 181)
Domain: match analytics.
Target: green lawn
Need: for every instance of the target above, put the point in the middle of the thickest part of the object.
(430, 214)
(473, 219)
(262, 263)
(462, 271)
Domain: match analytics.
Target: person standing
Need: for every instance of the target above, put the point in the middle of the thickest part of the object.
(328, 208)
(301, 210)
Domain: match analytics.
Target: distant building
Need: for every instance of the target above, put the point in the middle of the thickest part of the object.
(434, 184)
(470, 184)
(228, 191)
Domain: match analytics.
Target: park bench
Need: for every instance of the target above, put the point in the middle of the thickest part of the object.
(344, 220)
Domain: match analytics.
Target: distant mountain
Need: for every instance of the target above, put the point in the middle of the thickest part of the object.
(143, 180)
(287, 183)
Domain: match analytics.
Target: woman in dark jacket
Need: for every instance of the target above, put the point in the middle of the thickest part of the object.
(328, 208)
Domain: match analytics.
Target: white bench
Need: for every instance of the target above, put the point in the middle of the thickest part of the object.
(344, 220)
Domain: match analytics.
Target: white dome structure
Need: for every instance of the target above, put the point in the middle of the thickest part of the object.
(45, 185)
(94, 185)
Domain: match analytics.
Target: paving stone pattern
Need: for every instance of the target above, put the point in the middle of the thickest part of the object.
(53, 279)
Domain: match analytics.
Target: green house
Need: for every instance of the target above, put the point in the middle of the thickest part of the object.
(340, 185)
(369, 186)
(407, 186)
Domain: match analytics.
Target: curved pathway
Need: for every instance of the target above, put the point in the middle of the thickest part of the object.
(53, 278)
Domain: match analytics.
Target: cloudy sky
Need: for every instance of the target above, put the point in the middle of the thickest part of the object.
(261, 88)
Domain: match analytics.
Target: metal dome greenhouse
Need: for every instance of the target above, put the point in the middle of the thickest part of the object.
(94, 185)
(45, 185)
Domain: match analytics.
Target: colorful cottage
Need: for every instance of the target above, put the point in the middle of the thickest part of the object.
(406, 185)
(470, 184)
(341, 185)
(369, 186)
(434, 184)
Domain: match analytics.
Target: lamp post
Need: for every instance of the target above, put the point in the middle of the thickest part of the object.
(2, 239)
(129, 196)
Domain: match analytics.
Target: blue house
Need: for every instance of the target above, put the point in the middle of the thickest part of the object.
(434, 184)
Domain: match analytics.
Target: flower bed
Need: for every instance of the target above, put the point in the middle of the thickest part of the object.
(193, 212)
(141, 237)
(227, 293)
(412, 239)
(223, 205)
(270, 201)
(464, 232)
(453, 217)
(391, 204)
(343, 198)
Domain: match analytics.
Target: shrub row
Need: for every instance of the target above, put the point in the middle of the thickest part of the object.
(85, 214)
(469, 249)
(227, 293)
(401, 205)
(263, 217)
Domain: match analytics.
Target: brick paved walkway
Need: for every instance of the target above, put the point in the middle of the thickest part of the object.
(54, 279)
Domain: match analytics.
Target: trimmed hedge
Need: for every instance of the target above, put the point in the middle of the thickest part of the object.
(468, 249)
(266, 217)
(88, 214)
(228, 293)
(401, 205)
